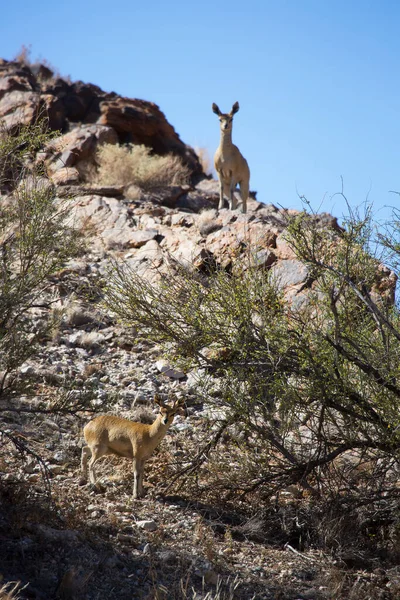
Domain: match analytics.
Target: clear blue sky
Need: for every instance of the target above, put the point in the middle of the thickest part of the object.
(317, 81)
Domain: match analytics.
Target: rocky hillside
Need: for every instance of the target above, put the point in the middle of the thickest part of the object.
(141, 226)
(100, 545)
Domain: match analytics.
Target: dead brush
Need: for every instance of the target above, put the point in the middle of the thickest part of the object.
(77, 315)
(93, 369)
(11, 590)
(135, 165)
(378, 585)
(203, 537)
(224, 590)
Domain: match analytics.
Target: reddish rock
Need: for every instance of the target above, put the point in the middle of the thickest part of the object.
(141, 122)
(79, 144)
(18, 108)
(225, 246)
(81, 102)
(53, 109)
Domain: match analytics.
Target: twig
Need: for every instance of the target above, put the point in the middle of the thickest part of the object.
(289, 547)
(201, 456)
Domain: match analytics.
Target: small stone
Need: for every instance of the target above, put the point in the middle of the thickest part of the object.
(60, 457)
(140, 398)
(55, 469)
(139, 237)
(182, 427)
(174, 374)
(211, 577)
(167, 556)
(168, 371)
(30, 465)
(162, 365)
(147, 525)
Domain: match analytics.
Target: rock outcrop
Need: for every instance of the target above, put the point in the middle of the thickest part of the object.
(86, 114)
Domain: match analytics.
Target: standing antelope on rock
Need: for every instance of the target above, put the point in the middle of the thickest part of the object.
(231, 166)
(113, 435)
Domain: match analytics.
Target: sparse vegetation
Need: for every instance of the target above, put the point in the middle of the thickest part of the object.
(37, 236)
(135, 165)
(24, 54)
(281, 483)
(307, 398)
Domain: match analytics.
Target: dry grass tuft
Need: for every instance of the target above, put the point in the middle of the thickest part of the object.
(24, 56)
(90, 340)
(135, 165)
(10, 591)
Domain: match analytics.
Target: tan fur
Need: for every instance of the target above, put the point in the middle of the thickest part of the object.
(231, 166)
(113, 435)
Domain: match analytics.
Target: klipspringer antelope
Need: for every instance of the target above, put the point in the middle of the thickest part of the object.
(231, 166)
(113, 435)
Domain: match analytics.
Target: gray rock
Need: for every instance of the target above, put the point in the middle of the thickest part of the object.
(27, 370)
(147, 525)
(168, 371)
(289, 272)
(140, 237)
(264, 258)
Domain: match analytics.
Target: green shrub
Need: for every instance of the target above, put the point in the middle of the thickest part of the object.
(306, 397)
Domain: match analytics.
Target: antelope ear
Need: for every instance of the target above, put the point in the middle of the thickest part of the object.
(215, 109)
(157, 400)
(235, 108)
(176, 403)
